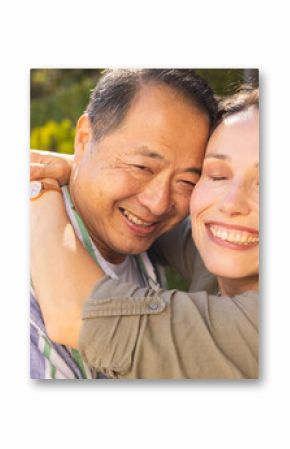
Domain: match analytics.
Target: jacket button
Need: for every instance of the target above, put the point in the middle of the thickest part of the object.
(153, 306)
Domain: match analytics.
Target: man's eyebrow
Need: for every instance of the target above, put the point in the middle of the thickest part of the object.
(145, 151)
(195, 170)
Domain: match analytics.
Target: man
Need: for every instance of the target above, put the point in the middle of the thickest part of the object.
(138, 154)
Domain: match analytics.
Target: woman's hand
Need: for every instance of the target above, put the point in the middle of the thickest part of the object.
(45, 164)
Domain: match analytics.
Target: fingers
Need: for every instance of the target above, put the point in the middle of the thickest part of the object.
(55, 170)
(37, 171)
(41, 171)
(42, 157)
(50, 166)
(50, 182)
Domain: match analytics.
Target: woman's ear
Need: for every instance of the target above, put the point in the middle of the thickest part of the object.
(83, 136)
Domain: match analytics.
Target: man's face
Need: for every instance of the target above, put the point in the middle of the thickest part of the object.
(135, 183)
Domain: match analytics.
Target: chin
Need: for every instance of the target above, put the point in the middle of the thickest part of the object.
(235, 275)
(231, 269)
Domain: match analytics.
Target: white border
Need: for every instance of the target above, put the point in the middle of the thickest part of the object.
(182, 34)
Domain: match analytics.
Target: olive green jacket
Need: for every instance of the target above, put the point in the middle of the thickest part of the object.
(133, 333)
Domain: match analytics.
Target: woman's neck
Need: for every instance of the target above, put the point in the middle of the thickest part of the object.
(232, 287)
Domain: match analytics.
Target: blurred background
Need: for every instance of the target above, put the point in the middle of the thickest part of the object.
(60, 96)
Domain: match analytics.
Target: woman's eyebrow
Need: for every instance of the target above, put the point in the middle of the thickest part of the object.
(224, 158)
(217, 156)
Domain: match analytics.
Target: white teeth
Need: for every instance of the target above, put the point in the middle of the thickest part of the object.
(232, 236)
(224, 235)
(136, 220)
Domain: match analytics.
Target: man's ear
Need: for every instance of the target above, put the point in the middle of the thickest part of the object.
(83, 136)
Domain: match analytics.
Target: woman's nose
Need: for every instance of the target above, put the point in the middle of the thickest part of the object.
(235, 201)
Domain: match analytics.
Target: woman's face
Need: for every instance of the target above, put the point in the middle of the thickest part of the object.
(225, 202)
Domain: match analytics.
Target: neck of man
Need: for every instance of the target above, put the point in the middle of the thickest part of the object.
(107, 253)
(232, 287)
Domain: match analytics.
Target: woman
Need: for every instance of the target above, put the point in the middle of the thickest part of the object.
(141, 333)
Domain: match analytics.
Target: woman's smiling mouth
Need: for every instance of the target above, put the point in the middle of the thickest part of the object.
(232, 236)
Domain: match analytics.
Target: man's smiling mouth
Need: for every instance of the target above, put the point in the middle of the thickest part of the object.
(136, 220)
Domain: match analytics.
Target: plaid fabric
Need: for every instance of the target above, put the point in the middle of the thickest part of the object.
(52, 361)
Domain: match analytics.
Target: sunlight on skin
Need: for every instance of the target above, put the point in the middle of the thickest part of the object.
(69, 238)
(242, 116)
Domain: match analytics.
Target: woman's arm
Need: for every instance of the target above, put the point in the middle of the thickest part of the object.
(63, 273)
(134, 333)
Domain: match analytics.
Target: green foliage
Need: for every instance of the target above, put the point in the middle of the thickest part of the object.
(45, 82)
(59, 97)
(227, 81)
(64, 103)
(54, 136)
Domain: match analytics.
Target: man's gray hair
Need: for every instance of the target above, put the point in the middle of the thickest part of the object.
(114, 93)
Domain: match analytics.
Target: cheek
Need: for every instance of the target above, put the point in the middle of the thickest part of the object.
(202, 204)
(255, 208)
(112, 186)
(182, 206)
(201, 199)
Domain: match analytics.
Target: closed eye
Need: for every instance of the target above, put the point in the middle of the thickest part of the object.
(141, 167)
(218, 178)
(190, 183)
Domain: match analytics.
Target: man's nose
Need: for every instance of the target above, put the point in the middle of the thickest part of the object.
(156, 196)
(235, 201)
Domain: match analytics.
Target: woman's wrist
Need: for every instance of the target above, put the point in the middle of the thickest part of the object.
(39, 188)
